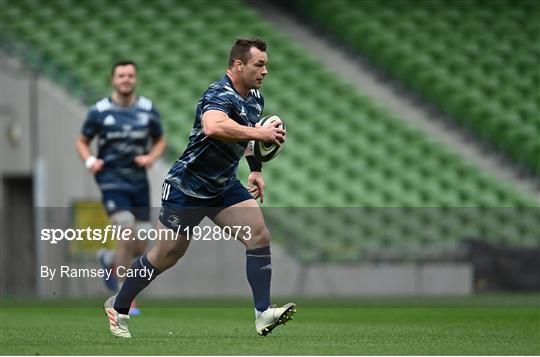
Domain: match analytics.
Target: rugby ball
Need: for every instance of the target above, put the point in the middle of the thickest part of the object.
(267, 151)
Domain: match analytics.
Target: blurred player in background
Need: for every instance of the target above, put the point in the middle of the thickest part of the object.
(130, 139)
(203, 182)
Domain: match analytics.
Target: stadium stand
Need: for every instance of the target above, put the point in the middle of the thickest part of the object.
(475, 60)
(343, 150)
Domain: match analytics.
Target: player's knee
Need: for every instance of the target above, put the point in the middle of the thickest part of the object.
(143, 226)
(123, 219)
(143, 229)
(261, 237)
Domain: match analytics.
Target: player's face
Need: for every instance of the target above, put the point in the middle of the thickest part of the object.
(124, 79)
(255, 69)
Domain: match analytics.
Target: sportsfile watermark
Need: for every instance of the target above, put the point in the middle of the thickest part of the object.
(422, 250)
(118, 233)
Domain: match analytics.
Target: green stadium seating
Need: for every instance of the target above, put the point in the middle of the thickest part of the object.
(478, 61)
(360, 175)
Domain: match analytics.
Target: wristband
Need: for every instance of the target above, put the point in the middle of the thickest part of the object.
(254, 164)
(90, 160)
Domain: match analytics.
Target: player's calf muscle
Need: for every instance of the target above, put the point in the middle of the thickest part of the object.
(139, 248)
(166, 253)
(162, 259)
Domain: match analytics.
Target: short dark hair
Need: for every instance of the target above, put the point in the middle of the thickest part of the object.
(122, 63)
(242, 46)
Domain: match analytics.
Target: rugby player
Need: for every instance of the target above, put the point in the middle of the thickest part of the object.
(202, 182)
(130, 139)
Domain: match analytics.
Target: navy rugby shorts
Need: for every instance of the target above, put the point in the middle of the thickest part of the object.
(181, 210)
(136, 202)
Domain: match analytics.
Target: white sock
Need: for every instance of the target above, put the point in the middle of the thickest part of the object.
(258, 313)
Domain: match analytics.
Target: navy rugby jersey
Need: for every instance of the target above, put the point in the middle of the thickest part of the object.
(123, 133)
(208, 166)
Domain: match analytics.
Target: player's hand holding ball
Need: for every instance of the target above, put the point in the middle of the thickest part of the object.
(273, 132)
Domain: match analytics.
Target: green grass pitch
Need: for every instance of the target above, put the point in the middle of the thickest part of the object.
(503, 325)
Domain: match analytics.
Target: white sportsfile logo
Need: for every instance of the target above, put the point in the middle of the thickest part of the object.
(109, 120)
(267, 267)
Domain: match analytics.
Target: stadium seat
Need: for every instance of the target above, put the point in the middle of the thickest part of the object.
(489, 47)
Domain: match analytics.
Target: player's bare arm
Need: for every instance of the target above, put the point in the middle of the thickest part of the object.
(217, 125)
(93, 164)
